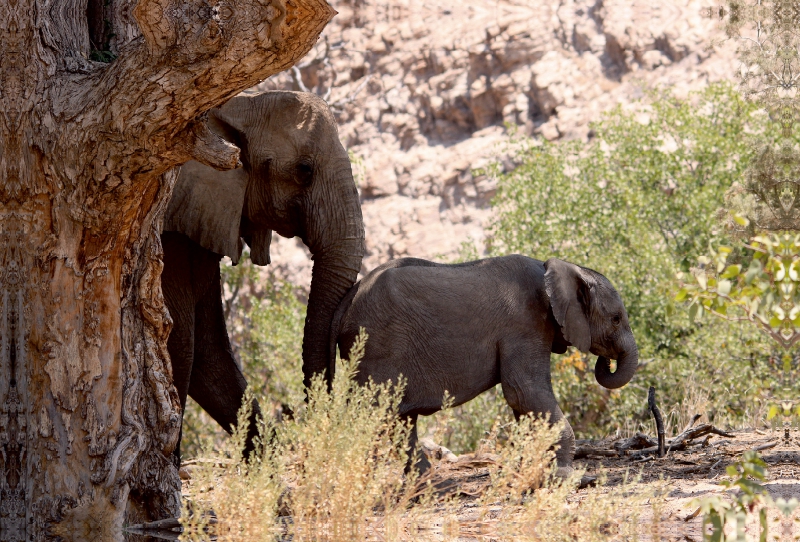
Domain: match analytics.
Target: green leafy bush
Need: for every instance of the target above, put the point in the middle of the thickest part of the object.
(638, 204)
(751, 497)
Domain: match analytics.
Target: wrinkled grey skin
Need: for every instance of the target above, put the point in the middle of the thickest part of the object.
(465, 328)
(295, 180)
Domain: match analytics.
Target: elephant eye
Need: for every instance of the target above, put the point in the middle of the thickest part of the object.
(616, 319)
(304, 172)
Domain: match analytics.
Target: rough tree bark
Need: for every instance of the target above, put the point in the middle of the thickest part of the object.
(88, 413)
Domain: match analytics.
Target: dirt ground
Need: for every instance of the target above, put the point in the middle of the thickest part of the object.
(685, 475)
(696, 472)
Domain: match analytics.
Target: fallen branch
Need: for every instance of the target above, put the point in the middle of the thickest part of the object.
(692, 515)
(692, 422)
(163, 529)
(636, 442)
(683, 440)
(585, 451)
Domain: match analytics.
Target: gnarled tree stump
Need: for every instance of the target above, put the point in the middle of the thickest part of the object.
(88, 413)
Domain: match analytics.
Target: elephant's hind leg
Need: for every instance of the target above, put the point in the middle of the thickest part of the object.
(416, 458)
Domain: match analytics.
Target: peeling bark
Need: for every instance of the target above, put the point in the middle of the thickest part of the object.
(88, 413)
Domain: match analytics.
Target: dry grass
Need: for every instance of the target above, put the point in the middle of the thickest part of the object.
(338, 462)
(335, 472)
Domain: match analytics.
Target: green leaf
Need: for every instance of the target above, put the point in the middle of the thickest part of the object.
(786, 507)
(774, 410)
(731, 271)
(742, 221)
(693, 312)
(750, 487)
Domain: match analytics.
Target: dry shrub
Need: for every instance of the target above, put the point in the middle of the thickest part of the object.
(243, 495)
(526, 462)
(337, 464)
(524, 500)
(346, 454)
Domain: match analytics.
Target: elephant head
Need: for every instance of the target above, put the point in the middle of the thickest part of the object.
(592, 318)
(296, 180)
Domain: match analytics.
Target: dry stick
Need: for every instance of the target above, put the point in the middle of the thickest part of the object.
(651, 403)
(164, 529)
(692, 422)
(585, 451)
(693, 514)
(765, 446)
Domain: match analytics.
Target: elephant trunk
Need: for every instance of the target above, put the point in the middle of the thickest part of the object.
(627, 363)
(337, 261)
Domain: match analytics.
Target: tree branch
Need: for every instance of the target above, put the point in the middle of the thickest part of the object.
(192, 56)
(203, 145)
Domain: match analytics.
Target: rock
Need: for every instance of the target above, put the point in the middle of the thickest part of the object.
(421, 91)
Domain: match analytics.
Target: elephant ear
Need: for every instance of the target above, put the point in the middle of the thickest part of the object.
(259, 242)
(206, 206)
(570, 292)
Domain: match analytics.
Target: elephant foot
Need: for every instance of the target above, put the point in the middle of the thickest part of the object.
(564, 473)
(422, 465)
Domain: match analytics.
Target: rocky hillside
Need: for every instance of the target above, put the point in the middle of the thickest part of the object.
(423, 90)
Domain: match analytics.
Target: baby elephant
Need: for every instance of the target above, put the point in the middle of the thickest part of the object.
(465, 327)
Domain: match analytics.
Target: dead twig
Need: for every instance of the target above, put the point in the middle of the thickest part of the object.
(692, 515)
(637, 441)
(163, 529)
(696, 432)
(298, 78)
(692, 422)
(722, 433)
(651, 403)
(680, 442)
(766, 446)
(339, 104)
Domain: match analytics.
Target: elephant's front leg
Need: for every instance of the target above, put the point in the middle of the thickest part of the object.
(565, 452)
(525, 377)
(217, 383)
(179, 296)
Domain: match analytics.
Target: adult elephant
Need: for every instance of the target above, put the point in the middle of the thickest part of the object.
(295, 180)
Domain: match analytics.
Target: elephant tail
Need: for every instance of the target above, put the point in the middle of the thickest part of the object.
(336, 324)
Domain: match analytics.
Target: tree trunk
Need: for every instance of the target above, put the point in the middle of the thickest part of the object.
(88, 413)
